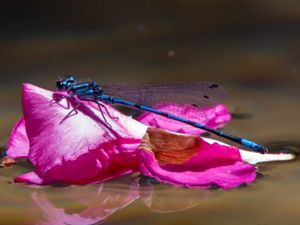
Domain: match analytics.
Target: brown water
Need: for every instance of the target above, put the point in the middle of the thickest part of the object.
(251, 48)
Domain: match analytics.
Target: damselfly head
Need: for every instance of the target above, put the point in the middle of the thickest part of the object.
(65, 83)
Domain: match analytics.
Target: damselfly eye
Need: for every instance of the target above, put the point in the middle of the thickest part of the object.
(59, 85)
(70, 79)
(98, 90)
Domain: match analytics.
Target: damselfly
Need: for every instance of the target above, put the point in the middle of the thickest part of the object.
(199, 93)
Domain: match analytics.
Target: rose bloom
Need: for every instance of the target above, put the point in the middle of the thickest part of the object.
(83, 148)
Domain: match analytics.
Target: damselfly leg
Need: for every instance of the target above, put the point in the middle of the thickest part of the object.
(70, 113)
(100, 109)
(100, 106)
(57, 98)
(108, 113)
(71, 98)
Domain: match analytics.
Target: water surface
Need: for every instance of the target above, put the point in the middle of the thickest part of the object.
(272, 199)
(249, 47)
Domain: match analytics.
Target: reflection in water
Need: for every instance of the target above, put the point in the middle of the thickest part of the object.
(98, 204)
(173, 199)
(285, 147)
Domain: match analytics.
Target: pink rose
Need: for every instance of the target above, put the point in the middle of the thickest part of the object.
(83, 148)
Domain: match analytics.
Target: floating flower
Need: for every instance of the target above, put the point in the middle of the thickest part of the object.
(85, 148)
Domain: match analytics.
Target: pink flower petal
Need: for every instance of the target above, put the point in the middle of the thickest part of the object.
(32, 178)
(214, 117)
(211, 164)
(18, 143)
(82, 148)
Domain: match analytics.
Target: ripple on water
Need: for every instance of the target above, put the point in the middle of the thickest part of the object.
(284, 146)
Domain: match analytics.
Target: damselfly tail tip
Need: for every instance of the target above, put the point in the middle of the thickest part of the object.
(264, 149)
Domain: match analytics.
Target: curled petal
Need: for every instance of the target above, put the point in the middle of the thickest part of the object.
(18, 143)
(206, 165)
(214, 117)
(83, 147)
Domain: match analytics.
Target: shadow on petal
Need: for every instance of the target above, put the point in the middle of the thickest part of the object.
(215, 117)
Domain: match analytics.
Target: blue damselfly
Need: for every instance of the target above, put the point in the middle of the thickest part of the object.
(142, 97)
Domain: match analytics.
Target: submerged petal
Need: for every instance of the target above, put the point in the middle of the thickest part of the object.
(81, 148)
(209, 165)
(214, 117)
(18, 143)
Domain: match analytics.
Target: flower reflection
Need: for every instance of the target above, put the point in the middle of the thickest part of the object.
(173, 199)
(98, 203)
(101, 202)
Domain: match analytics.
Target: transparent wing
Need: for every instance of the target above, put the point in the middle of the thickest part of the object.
(197, 93)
